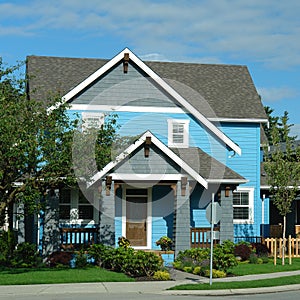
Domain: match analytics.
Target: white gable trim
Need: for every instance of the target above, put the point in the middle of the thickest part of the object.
(162, 147)
(202, 119)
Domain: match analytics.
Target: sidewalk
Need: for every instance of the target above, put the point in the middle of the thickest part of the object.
(147, 287)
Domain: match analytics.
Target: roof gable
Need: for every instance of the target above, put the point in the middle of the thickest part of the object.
(167, 151)
(163, 84)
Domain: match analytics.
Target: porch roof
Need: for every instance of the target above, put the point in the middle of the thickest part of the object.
(193, 161)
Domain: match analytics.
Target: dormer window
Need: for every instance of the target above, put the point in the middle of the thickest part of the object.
(92, 120)
(178, 133)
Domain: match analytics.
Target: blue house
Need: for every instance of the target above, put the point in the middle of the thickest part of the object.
(198, 136)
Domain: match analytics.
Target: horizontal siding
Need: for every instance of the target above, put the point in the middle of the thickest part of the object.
(117, 88)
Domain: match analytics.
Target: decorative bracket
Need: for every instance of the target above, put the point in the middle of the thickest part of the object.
(125, 62)
(147, 146)
(108, 185)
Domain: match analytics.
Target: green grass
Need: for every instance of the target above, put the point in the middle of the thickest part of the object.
(50, 276)
(240, 284)
(250, 269)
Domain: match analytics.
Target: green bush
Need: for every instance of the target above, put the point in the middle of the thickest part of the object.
(81, 259)
(253, 258)
(26, 255)
(126, 260)
(188, 269)
(197, 270)
(123, 242)
(215, 273)
(162, 275)
(223, 256)
(7, 246)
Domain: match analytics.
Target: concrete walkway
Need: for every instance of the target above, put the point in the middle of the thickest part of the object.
(147, 287)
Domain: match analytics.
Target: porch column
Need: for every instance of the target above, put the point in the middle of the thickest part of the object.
(107, 214)
(21, 223)
(226, 221)
(51, 234)
(182, 216)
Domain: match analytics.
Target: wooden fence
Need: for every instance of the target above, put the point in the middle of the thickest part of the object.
(292, 246)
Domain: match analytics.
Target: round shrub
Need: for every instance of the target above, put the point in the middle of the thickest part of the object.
(197, 270)
(215, 273)
(261, 249)
(253, 258)
(25, 255)
(162, 275)
(243, 251)
(59, 258)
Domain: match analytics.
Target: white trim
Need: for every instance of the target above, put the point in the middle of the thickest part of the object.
(162, 147)
(164, 109)
(149, 216)
(222, 180)
(267, 187)
(201, 118)
(116, 108)
(185, 134)
(145, 177)
(237, 120)
(250, 191)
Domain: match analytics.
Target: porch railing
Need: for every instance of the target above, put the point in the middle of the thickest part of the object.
(77, 238)
(200, 237)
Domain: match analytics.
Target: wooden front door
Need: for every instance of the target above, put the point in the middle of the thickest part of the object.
(136, 216)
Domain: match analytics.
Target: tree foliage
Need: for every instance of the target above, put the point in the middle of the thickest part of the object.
(37, 145)
(282, 165)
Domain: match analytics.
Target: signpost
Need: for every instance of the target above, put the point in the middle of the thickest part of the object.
(213, 215)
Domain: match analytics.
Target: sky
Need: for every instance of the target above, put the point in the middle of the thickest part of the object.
(264, 35)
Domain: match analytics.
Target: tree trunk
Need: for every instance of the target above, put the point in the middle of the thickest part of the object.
(283, 239)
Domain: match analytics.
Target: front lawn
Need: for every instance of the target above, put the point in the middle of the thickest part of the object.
(50, 276)
(248, 269)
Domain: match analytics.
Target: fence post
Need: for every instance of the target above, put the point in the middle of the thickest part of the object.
(275, 252)
(290, 249)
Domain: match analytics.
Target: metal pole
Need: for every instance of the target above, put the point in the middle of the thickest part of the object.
(211, 237)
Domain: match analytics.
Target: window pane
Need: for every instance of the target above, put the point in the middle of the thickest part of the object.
(65, 196)
(64, 211)
(236, 198)
(85, 212)
(178, 128)
(241, 213)
(244, 198)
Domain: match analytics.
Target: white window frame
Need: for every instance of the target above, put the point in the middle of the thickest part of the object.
(74, 209)
(250, 191)
(98, 119)
(185, 143)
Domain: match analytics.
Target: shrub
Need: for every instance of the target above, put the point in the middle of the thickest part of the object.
(261, 249)
(102, 254)
(81, 259)
(191, 258)
(26, 255)
(265, 259)
(197, 270)
(123, 242)
(253, 258)
(215, 273)
(243, 251)
(7, 246)
(223, 257)
(59, 259)
(165, 243)
(188, 269)
(162, 275)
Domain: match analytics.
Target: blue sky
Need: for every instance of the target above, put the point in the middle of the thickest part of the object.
(262, 34)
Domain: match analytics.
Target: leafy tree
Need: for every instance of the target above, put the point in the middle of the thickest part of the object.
(37, 145)
(283, 169)
(275, 121)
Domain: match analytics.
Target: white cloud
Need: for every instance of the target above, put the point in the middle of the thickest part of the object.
(265, 31)
(273, 94)
(295, 131)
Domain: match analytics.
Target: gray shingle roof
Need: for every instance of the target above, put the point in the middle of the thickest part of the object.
(223, 91)
(205, 165)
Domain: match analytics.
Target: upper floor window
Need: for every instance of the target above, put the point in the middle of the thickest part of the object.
(243, 205)
(178, 133)
(92, 120)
